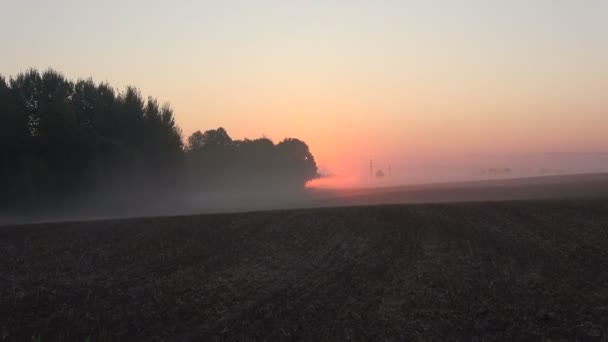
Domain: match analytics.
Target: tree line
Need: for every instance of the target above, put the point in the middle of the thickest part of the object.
(60, 138)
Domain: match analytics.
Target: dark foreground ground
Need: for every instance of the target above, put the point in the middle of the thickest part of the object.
(534, 270)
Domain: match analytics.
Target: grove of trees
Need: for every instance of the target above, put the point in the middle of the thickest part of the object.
(216, 161)
(60, 138)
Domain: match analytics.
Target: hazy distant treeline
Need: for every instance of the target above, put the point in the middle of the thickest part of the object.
(62, 138)
(216, 161)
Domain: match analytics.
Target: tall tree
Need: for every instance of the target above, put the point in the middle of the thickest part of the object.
(59, 138)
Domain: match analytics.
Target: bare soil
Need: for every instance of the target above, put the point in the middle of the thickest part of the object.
(529, 270)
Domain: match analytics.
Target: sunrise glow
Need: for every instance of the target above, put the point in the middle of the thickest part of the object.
(355, 80)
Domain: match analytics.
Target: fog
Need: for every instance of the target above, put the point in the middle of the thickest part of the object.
(115, 201)
(80, 150)
(181, 201)
(464, 168)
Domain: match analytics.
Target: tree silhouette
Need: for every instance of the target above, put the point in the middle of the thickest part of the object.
(60, 138)
(216, 161)
(296, 161)
(216, 138)
(195, 141)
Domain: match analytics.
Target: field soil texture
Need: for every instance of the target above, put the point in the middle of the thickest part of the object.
(504, 270)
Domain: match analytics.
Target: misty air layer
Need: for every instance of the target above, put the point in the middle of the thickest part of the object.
(83, 150)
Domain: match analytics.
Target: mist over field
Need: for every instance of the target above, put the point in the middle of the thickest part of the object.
(82, 150)
(237, 170)
(461, 168)
(117, 204)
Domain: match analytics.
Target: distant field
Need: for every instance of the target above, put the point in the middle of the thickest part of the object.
(532, 270)
(542, 187)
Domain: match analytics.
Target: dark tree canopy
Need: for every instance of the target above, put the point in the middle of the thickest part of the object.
(216, 161)
(195, 141)
(60, 138)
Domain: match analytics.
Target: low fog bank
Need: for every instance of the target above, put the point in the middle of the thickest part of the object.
(115, 204)
(574, 186)
(80, 150)
(391, 172)
(173, 203)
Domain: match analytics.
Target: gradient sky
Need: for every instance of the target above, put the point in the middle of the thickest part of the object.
(398, 81)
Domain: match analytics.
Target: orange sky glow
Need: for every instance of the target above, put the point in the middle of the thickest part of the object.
(415, 84)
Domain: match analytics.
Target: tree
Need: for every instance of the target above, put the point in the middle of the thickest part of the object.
(63, 137)
(195, 141)
(296, 161)
(14, 142)
(216, 137)
(60, 138)
(216, 161)
(26, 87)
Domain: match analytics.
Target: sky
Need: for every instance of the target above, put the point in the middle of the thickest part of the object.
(406, 83)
